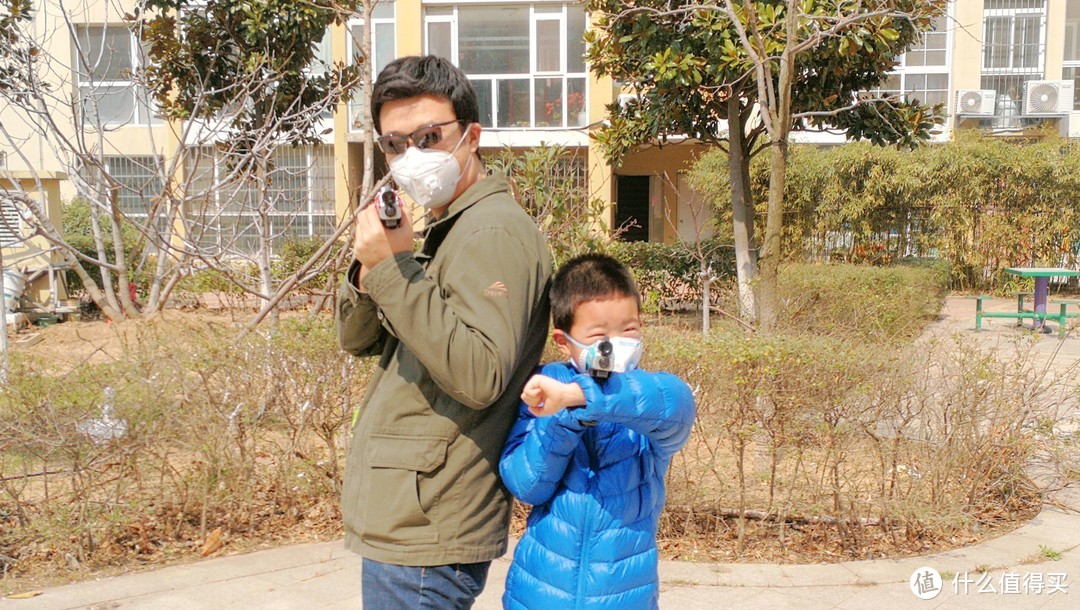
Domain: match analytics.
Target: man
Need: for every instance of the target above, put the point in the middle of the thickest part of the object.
(460, 326)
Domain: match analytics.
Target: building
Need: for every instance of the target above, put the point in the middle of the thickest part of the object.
(1003, 66)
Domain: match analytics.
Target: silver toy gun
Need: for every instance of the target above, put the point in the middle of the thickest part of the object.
(389, 207)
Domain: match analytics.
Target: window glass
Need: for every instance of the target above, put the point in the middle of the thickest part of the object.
(438, 39)
(484, 99)
(1072, 31)
(106, 53)
(549, 102)
(548, 47)
(384, 45)
(1073, 74)
(575, 38)
(577, 114)
(514, 101)
(493, 39)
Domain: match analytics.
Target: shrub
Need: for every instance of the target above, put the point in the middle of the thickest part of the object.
(878, 303)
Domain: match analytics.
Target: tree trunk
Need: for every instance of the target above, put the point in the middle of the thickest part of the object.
(742, 210)
(706, 296)
(780, 119)
(266, 231)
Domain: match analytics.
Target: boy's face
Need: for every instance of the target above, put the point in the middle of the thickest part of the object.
(594, 320)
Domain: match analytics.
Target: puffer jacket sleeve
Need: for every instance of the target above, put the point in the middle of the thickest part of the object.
(659, 406)
(539, 449)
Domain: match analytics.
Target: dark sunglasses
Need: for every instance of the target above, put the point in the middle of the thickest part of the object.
(425, 137)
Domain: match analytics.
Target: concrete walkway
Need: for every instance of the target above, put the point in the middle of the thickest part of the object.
(327, 576)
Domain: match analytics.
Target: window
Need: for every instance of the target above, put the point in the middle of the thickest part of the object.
(923, 72)
(383, 50)
(1014, 52)
(11, 231)
(526, 61)
(105, 58)
(1071, 65)
(223, 212)
(140, 179)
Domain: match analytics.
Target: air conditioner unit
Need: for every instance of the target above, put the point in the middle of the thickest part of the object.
(978, 102)
(625, 99)
(1048, 97)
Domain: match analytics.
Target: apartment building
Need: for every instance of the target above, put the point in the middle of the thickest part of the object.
(1008, 67)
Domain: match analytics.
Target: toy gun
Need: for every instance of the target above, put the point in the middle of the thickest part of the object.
(598, 363)
(389, 207)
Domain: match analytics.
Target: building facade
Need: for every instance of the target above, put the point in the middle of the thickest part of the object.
(1007, 67)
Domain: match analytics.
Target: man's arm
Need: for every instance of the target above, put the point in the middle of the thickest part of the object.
(358, 327)
(467, 330)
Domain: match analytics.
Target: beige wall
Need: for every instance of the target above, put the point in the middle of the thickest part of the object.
(34, 257)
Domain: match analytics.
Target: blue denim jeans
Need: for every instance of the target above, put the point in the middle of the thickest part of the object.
(386, 586)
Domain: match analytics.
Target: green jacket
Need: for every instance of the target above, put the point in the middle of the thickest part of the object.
(460, 325)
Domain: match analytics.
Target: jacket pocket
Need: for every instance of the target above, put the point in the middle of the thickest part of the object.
(398, 502)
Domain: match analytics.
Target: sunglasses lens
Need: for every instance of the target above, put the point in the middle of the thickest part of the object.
(393, 144)
(427, 137)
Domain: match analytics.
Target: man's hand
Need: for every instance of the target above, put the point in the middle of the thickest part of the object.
(374, 242)
(546, 396)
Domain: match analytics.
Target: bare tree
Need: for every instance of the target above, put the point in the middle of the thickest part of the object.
(229, 126)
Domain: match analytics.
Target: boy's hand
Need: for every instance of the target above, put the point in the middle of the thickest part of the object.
(546, 396)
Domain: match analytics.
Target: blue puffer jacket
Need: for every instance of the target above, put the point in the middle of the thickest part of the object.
(596, 491)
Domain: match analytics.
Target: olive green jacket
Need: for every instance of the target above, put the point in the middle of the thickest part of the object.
(460, 325)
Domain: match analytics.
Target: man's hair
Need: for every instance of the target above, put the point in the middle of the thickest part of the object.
(418, 75)
(588, 277)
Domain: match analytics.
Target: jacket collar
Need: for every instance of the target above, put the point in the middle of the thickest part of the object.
(436, 232)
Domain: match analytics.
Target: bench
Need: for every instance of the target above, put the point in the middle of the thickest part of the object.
(1023, 314)
(1065, 304)
(1020, 297)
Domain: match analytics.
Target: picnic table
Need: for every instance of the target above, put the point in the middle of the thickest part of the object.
(1042, 277)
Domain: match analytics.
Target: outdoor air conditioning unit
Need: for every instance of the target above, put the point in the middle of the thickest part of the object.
(625, 99)
(1048, 97)
(977, 102)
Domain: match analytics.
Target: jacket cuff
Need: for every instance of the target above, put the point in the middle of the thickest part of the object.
(349, 291)
(594, 398)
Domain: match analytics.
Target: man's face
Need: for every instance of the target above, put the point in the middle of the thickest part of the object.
(404, 117)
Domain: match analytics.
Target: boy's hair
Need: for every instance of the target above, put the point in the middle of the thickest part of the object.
(418, 75)
(588, 277)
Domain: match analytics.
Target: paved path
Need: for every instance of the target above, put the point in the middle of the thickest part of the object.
(326, 576)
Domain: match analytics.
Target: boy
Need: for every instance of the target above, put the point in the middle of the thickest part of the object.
(590, 449)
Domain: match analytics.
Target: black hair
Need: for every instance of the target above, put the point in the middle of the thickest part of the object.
(418, 75)
(588, 277)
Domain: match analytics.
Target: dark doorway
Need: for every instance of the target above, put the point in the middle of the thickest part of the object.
(632, 208)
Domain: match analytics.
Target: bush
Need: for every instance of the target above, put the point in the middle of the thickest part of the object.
(876, 303)
(246, 437)
(669, 275)
(78, 233)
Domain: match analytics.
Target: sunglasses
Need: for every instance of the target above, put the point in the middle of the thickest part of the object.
(425, 137)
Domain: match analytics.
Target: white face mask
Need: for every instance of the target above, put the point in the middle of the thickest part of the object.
(624, 356)
(428, 176)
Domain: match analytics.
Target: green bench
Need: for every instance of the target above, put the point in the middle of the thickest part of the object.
(1024, 314)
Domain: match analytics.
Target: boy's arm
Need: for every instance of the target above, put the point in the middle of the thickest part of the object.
(538, 451)
(657, 405)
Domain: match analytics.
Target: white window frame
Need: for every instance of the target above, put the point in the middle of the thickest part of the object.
(492, 80)
(905, 72)
(1012, 14)
(355, 100)
(218, 195)
(1073, 63)
(143, 108)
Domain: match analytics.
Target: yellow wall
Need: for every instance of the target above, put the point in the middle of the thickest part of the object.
(34, 254)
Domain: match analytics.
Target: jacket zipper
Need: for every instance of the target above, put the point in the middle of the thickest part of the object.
(586, 543)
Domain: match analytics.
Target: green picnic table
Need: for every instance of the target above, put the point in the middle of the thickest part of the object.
(1042, 277)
